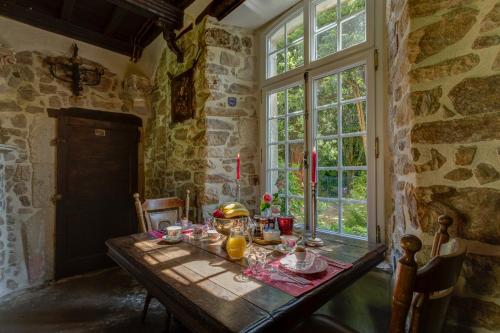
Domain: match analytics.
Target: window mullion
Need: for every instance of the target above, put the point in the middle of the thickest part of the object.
(339, 145)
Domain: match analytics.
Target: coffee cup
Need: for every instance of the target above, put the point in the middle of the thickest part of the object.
(174, 231)
(300, 253)
(213, 235)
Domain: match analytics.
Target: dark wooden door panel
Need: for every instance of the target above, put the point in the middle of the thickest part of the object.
(97, 175)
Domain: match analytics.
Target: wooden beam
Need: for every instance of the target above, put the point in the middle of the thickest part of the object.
(222, 8)
(166, 12)
(67, 9)
(11, 9)
(117, 18)
(183, 4)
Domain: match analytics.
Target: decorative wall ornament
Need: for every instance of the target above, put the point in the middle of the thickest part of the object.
(75, 71)
(183, 93)
(7, 56)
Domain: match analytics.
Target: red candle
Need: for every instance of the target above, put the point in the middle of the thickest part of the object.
(238, 167)
(314, 166)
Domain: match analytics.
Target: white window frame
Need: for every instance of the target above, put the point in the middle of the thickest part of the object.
(363, 52)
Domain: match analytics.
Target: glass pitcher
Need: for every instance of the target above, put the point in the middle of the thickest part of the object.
(236, 243)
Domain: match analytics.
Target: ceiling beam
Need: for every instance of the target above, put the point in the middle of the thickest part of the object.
(222, 8)
(10, 9)
(166, 12)
(117, 18)
(67, 9)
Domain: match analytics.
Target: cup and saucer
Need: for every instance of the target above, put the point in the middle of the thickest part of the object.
(173, 235)
(303, 262)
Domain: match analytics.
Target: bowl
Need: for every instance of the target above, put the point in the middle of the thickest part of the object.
(223, 226)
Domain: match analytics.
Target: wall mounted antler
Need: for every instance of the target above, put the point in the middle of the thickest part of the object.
(73, 70)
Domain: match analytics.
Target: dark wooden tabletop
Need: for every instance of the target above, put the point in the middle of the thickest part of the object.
(196, 282)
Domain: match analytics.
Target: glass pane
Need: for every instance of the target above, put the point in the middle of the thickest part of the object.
(354, 184)
(295, 55)
(327, 153)
(296, 208)
(350, 7)
(326, 90)
(281, 202)
(277, 40)
(353, 30)
(295, 183)
(355, 219)
(295, 29)
(277, 64)
(326, 43)
(296, 99)
(353, 151)
(295, 155)
(354, 117)
(353, 83)
(328, 215)
(326, 13)
(296, 127)
(276, 156)
(277, 104)
(278, 182)
(277, 130)
(327, 121)
(328, 184)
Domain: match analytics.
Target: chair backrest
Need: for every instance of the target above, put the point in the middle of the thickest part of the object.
(427, 291)
(153, 211)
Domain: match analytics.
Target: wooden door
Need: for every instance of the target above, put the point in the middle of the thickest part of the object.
(96, 178)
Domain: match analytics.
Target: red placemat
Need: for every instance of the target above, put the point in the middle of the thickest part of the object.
(293, 289)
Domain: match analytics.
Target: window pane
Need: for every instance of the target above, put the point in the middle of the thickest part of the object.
(296, 99)
(326, 90)
(296, 127)
(295, 55)
(327, 153)
(277, 40)
(350, 7)
(296, 208)
(326, 43)
(354, 184)
(295, 183)
(355, 219)
(328, 183)
(295, 29)
(277, 63)
(328, 215)
(353, 30)
(278, 182)
(277, 104)
(295, 155)
(354, 117)
(327, 121)
(353, 151)
(353, 83)
(326, 13)
(277, 130)
(276, 156)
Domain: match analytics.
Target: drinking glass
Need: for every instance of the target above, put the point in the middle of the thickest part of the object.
(236, 243)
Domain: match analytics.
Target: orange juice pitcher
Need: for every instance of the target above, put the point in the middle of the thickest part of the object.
(236, 243)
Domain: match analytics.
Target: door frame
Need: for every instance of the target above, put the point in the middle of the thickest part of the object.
(62, 116)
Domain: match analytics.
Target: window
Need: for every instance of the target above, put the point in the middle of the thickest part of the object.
(286, 148)
(338, 94)
(285, 47)
(338, 25)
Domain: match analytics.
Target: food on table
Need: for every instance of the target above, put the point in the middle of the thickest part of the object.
(230, 210)
(217, 213)
(236, 244)
(271, 235)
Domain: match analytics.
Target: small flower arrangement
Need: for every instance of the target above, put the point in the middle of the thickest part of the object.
(265, 202)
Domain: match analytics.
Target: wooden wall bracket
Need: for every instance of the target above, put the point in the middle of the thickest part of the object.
(170, 37)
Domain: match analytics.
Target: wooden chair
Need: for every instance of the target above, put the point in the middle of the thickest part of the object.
(425, 291)
(149, 215)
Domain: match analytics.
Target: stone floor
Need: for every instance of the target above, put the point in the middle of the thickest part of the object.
(111, 301)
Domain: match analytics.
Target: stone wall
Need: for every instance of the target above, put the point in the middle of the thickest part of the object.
(200, 154)
(26, 91)
(444, 107)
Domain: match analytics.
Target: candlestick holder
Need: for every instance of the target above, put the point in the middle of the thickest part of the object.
(314, 240)
(238, 190)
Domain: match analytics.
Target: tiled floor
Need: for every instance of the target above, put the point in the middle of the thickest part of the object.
(111, 301)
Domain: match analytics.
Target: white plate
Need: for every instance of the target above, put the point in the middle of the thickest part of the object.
(312, 264)
(172, 240)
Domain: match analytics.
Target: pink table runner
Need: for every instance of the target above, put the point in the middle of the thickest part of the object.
(293, 289)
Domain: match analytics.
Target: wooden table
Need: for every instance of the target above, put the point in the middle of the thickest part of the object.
(195, 281)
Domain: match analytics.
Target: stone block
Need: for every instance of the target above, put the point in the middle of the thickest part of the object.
(486, 173)
(465, 155)
(42, 132)
(218, 37)
(476, 95)
(459, 174)
(182, 175)
(492, 19)
(446, 68)
(482, 42)
(27, 93)
(229, 59)
(19, 121)
(426, 102)
(7, 105)
(217, 138)
(481, 275)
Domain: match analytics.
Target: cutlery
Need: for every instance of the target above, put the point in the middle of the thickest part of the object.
(297, 279)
